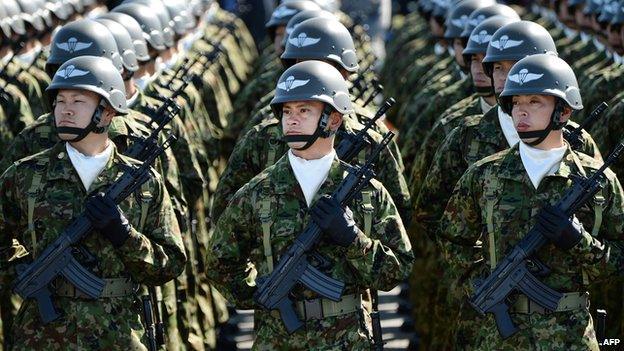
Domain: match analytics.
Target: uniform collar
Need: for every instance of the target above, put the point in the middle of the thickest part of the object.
(512, 167)
(61, 168)
(490, 130)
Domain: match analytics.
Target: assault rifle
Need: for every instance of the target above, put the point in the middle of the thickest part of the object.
(574, 135)
(512, 273)
(33, 280)
(293, 267)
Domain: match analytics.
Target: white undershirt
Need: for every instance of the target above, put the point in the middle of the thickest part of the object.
(485, 107)
(539, 163)
(509, 130)
(89, 167)
(311, 173)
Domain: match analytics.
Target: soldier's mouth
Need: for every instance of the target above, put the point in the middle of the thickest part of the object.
(522, 127)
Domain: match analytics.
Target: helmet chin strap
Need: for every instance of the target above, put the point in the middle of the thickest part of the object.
(484, 91)
(82, 133)
(555, 124)
(320, 131)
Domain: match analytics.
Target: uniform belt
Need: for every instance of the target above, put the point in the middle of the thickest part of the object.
(569, 302)
(324, 308)
(114, 287)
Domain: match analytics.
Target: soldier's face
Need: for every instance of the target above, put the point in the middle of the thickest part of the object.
(533, 112)
(615, 39)
(479, 78)
(499, 74)
(300, 118)
(278, 39)
(74, 109)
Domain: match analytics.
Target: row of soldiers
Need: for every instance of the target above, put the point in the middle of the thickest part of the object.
(482, 169)
(137, 62)
(109, 77)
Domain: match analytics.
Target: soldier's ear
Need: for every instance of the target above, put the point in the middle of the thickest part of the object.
(567, 112)
(107, 115)
(335, 120)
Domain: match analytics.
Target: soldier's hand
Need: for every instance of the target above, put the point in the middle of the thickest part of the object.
(108, 218)
(561, 230)
(335, 222)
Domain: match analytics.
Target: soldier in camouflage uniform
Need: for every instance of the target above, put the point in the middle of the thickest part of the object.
(128, 251)
(504, 195)
(424, 280)
(475, 138)
(378, 256)
(252, 154)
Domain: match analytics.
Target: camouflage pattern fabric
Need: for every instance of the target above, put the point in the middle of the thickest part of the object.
(153, 256)
(238, 257)
(515, 204)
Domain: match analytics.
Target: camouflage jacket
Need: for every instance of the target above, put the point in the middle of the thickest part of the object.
(263, 145)
(479, 137)
(153, 254)
(450, 119)
(492, 208)
(238, 256)
(17, 112)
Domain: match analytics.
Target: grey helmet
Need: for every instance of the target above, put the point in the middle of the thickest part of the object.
(183, 20)
(593, 7)
(321, 39)
(149, 22)
(76, 5)
(14, 17)
(32, 15)
(618, 17)
(95, 74)
(458, 16)
(82, 38)
(5, 27)
(124, 43)
(480, 15)
(134, 29)
(329, 5)
(166, 23)
(305, 15)
(608, 11)
(479, 39)
(542, 74)
(516, 41)
(312, 80)
(59, 9)
(284, 12)
(440, 9)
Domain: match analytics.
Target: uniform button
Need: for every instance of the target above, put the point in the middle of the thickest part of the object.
(60, 155)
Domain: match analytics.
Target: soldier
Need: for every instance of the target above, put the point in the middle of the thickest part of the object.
(514, 190)
(292, 192)
(253, 154)
(87, 93)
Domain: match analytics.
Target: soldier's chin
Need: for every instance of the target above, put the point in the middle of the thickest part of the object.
(528, 141)
(67, 137)
(296, 145)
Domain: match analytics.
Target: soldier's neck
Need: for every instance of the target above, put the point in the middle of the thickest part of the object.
(130, 88)
(491, 100)
(553, 141)
(147, 68)
(92, 144)
(322, 147)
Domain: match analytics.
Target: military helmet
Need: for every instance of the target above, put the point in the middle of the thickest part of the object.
(618, 17)
(124, 43)
(572, 3)
(83, 38)
(31, 14)
(134, 29)
(149, 22)
(440, 9)
(96, 74)
(321, 39)
(183, 20)
(4, 24)
(284, 12)
(608, 11)
(515, 41)
(59, 9)
(542, 74)
(14, 17)
(481, 35)
(312, 80)
(329, 5)
(458, 16)
(166, 23)
(305, 15)
(481, 14)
